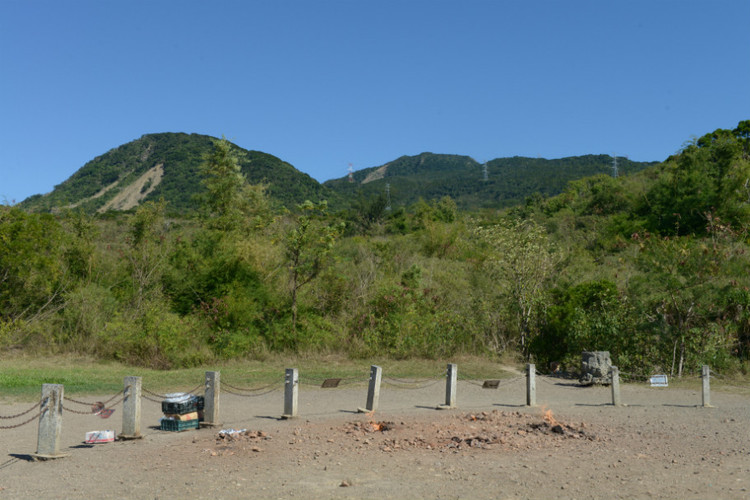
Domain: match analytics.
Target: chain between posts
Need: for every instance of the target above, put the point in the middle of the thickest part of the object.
(439, 375)
(115, 403)
(386, 380)
(229, 391)
(5, 427)
(501, 383)
(254, 389)
(316, 382)
(153, 400)
(97, 411)
(163, 396)
(194, 390)
(83, 403)
(76, 411)
(8, 417)
(151, 393)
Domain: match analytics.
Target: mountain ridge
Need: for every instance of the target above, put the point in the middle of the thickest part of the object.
(115, 179)
(508, 180)
(167, 165)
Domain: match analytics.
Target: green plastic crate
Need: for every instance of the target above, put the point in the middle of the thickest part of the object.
(179, 425)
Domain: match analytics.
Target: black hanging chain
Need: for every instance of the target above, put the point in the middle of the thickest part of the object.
(8, 417)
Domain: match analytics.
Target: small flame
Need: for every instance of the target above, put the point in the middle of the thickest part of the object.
(549, 418)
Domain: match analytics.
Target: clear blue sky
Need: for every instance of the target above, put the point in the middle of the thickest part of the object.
(325, 83)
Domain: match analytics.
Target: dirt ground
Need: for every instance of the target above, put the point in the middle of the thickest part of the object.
(574, 444)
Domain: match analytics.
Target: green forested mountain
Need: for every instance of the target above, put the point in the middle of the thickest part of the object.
(509, 180)
(167, 166)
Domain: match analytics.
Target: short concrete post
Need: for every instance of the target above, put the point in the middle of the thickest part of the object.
(615, 372)
(131, 409)
(451, 379)
(706, 375)
(50, 423)
(373, 390)
(211, 399)
(530, 384)
(291, 388)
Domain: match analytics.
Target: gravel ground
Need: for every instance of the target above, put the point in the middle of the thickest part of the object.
(574, 444)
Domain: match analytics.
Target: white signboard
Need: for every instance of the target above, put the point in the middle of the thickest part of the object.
(659, 381)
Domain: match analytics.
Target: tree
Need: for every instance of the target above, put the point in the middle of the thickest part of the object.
(230, 202)
(32, 271)
(147, 252)
(710, 175)
(520, 258)
(684, 282)
(307, 244)
(590, 316)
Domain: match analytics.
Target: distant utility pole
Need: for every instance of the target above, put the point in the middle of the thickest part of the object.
(387, 197)
(351, 173)
(614, 165)
(484, 172)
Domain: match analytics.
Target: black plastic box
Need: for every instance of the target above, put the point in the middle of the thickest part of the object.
(194, 403)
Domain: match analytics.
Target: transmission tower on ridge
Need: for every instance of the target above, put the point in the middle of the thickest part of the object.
(387, 197)
(485, 176)
(614, 165)
(351, 173)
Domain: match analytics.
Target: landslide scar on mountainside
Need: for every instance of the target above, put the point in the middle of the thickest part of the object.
(132, 195)
(376, 174)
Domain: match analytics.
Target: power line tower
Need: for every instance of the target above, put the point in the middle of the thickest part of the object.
(614, 165)
(485, 175)
(387, 197)
(351, 173)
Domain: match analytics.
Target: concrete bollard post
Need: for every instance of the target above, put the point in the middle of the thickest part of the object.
(291, 388)
(530, 384)
(451, 379)
(50, 423)
(373, 390)
(706, 375)
(615, 373)
(211, 401)
(131, 409)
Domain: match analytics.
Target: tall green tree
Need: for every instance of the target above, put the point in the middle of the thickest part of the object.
(230, 202)
(520, 259)
(147, 252)
(710, 175)
(307, 245)
(33, 274)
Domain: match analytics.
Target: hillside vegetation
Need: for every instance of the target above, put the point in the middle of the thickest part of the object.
(123, 173)
(509, 181)
(167, 166)
(652, 267)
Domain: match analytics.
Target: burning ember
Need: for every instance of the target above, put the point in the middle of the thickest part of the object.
(549, 418)
(381, 426)
(555, 426)
(369, 427)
